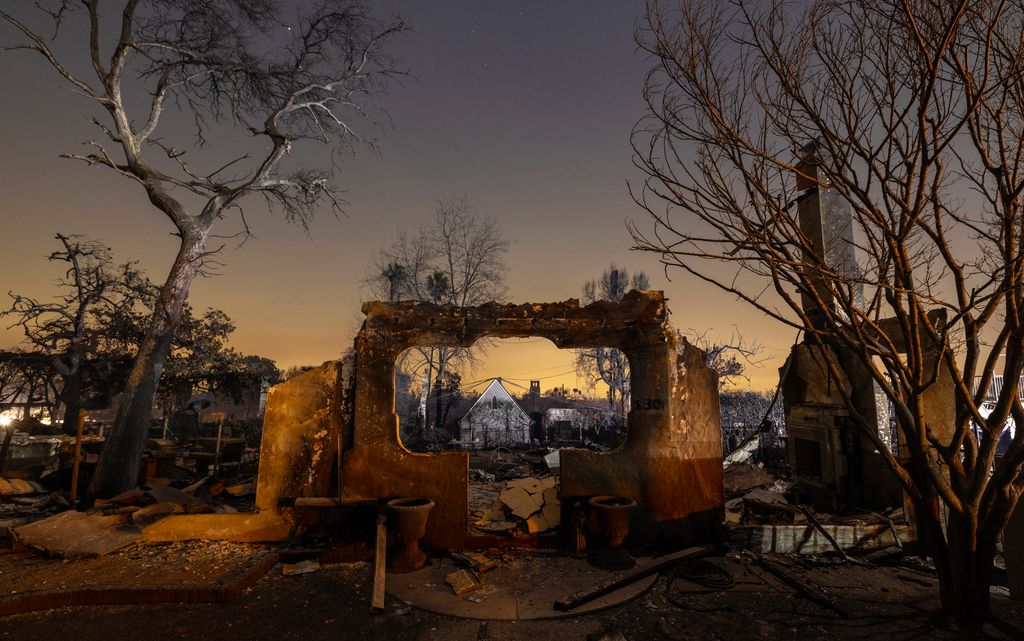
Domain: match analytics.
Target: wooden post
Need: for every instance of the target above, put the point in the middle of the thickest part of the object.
(339, 461)
(216, 449)
(78, 456)
(379, 561)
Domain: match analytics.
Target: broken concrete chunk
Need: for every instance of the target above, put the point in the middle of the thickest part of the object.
(520, 502)
(536, 523)
(74, 533)
(513, 496)
(525, 509)
(496, 512)
(462, 582)
(552, 514)
(474, 561)
(19, 487)
(552, 460)
(531, 485)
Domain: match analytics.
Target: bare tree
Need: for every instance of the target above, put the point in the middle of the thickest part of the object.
(283, 80)
(607, 364)
(912, 112)
(458, 259)
(728, 357)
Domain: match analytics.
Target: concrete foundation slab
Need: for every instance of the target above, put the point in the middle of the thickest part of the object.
(524, 589)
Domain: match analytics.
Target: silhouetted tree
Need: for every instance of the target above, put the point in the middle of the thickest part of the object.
(458, 259)
(82, 342)
(80, 333)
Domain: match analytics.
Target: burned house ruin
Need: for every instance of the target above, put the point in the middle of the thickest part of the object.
(338, 422)
(834, 463)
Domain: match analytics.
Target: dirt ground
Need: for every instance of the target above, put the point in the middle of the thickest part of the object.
(136, 566)
(333, 603)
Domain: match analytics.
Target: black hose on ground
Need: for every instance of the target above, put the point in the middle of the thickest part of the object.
(701, 572)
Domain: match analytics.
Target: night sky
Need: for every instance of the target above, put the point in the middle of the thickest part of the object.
(526, 107)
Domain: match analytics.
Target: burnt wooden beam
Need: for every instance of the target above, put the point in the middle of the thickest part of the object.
(651, 567)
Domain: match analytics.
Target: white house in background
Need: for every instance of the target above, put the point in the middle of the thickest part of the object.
(495, 420)
(1009, 427)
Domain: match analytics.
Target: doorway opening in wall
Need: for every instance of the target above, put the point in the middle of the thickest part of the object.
(512, 404)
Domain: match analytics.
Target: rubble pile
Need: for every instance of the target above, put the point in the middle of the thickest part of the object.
(529, 505)
(762, 507)
(14, 488)
(756, 497)
(764, 515)
(112, 524)
(23, 501)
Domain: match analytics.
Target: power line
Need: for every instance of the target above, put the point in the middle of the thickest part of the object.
(540, 378)
(531, 371)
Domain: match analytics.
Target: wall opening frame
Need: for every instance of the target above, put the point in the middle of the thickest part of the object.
(671, 462)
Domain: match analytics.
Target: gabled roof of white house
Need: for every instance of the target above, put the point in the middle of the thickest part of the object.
(497, 391)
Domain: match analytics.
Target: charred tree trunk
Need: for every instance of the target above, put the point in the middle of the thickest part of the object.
(442, 366)
(118, 467)
(69, 367)
(965, 577)
(963, 564)
(438, 407)
(421, 412)
(71, 394)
